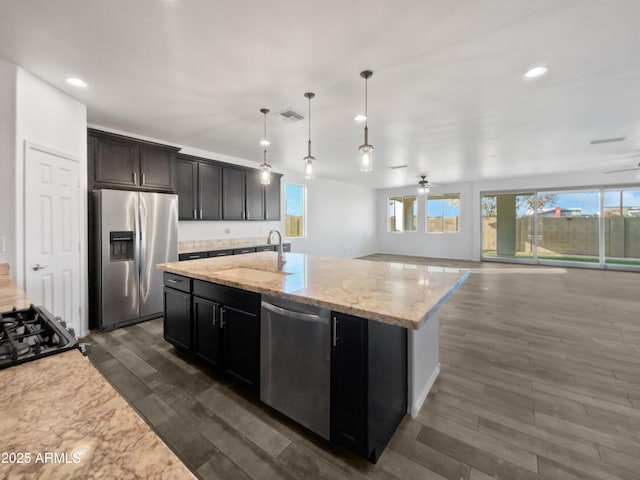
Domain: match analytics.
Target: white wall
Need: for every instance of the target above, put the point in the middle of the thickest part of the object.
(8, 74)
(341, 217)
(439, 245)
(50, 118)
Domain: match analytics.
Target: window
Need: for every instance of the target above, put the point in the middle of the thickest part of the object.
(296, 209)
(403, 214)
(443, 213)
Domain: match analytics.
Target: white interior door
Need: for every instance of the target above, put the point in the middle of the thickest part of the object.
(52, 232)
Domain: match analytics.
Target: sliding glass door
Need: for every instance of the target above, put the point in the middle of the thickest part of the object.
(590, 226)
(568, 226)
(621, 209)
(507, 225)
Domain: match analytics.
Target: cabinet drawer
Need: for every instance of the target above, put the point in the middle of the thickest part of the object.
(177, 281)
(228, 296)
(238, 251)
(267, 248)
(192, 256)
(221, 253)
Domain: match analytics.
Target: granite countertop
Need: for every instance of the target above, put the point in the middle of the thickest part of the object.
(62, 405)
(194, 246)
(393, 293)
(11, 295)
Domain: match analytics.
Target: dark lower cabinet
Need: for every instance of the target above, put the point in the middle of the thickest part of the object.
(241, 339)
(177, 318)
(220, 325)
(368, 383)
(207, 343)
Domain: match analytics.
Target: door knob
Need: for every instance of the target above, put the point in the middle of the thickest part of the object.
(37, 267)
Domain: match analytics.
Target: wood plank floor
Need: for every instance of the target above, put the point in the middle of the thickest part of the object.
(540, 380)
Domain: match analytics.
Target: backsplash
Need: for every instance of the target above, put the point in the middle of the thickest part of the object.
(190, 246)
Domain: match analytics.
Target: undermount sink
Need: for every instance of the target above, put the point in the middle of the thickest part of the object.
(252, 274)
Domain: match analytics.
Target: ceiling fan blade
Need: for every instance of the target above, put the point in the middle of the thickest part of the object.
(623, 170)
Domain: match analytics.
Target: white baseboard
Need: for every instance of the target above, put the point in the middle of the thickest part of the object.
(415, 408)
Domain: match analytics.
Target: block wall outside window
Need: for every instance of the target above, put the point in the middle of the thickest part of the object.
(296, 210)
(443, 213)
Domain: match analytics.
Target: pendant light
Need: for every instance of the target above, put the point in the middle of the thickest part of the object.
(423, 185)
(265, 168)
(366, 150)
(309, 159)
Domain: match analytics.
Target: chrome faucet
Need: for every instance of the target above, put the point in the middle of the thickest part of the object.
(281, 259)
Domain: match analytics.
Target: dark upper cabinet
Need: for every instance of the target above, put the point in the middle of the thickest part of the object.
(209, 191)
(368, 383)
(255, 196)
(272, 198)
(233, 194)
(116, 161)
(187, 188)
(156, 168)
(207, 344)
(199, 189)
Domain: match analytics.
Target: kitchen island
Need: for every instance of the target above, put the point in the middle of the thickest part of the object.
(386, 312)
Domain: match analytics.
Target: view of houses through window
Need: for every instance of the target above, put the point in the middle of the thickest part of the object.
(592, 225)
(443, 213)
(296, 208)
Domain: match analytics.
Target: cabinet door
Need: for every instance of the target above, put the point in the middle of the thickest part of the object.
(116, 163)
(272, 199)
(177, 318)
(209, 191)
(156, 168)
(232, 194)
(255, 196)
(186, 188)
(207, 339)
(241, 338)
(349, 382)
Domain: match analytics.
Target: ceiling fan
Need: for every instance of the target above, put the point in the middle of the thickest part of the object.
(423, 185)
(637, 167)
(630, 156)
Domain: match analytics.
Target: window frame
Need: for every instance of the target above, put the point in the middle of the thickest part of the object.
(388, 213)
(304, 210)
(441, 196)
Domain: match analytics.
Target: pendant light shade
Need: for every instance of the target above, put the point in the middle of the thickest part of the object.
(366, 150)
(309, 171)
(423, 185)
(265, 168)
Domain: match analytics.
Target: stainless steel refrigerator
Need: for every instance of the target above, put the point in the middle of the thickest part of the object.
(134, 231)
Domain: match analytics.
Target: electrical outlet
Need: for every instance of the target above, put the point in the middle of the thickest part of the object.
(2, 245)
(227, 230)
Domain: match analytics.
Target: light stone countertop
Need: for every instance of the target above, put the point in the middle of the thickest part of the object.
(11, 295)
(62, 405)
(195, 246)
(393, 293)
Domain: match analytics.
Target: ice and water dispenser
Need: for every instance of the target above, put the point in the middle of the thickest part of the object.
(121, 246)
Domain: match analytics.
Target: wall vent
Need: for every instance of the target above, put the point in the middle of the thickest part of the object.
(290, 115)
(397, 167)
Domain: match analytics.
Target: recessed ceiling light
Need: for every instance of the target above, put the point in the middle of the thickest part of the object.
(360, 118)
(536, 72)
(76, 82)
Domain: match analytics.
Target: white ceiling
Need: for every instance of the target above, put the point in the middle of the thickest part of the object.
(447, 97)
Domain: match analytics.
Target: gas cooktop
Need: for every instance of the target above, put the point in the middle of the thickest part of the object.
(30, 334)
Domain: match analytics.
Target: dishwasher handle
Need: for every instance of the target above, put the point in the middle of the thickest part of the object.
(309, 317)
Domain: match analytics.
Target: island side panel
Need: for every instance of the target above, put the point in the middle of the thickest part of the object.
(424, 364)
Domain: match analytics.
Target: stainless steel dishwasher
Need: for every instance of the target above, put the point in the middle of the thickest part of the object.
(295, 361)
